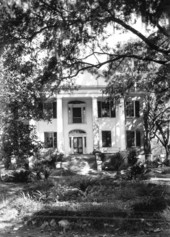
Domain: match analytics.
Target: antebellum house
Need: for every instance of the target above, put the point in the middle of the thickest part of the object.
(84, 121)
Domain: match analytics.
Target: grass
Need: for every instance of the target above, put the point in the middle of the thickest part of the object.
(84, 198)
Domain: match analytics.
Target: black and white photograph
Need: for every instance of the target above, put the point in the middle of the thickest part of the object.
(84, 118)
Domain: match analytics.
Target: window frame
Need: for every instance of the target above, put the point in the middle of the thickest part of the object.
(111, 110)
(76, 119)
(71, 107)
(54, 139)
(44, 108)
(134, 110)
(110, 138)
(136, 138)
(50, 107)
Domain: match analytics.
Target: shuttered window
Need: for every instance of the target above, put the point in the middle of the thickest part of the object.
(133, 138)
(133, 108)
(48, 109)
(106, 109)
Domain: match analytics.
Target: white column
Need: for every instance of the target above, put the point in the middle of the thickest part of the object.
(122, 124)
(60, 140)
(95, 123)
(167, 11)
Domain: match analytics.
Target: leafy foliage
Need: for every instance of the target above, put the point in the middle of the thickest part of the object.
(59, 38)
(17, 142)
(132, 156)
(113, 162)
(45, 42)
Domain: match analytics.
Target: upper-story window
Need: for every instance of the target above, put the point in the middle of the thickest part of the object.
(76, 112)
(106, 109)
(48, 109)
(133, 108)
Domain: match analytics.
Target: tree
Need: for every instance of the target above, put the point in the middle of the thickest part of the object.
(156, 123)
(18, 105)
(48, 42)
(70, 33)
(153, 81)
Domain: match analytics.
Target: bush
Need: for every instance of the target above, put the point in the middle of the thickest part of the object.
(49, 157)
(82, 182)
(17, 176)
(45, 161)
(113, 162)
(132, 156)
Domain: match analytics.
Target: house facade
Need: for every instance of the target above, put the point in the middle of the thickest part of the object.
(83, 120)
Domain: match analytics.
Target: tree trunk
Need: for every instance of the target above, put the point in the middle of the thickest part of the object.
(167, 158)
(147, 146)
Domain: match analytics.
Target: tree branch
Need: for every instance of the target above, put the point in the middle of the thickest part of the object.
(134, 31)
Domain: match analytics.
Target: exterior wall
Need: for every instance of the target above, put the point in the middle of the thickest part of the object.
(114, 125)
(133, 123)
(87, 126)
(93, 126)
(44, 126)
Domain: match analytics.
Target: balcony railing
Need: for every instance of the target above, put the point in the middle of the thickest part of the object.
(77, 119)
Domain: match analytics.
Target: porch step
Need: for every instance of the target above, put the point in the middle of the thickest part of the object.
(80, 156)
(80, 163)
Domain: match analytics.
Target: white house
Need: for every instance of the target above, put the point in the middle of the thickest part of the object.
(84, 121)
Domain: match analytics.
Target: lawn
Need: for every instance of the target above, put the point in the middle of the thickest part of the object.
(95, 204)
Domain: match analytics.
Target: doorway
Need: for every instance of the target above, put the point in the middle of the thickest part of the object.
(77, 141)
(78, 145)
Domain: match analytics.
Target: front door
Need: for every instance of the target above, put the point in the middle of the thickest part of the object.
(78, 145)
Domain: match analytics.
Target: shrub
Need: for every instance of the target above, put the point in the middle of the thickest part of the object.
(17, 176)
(113, 162)
(46, 161)
(154, 198)
(132, 156)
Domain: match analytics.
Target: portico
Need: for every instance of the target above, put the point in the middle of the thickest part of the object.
(79, 128)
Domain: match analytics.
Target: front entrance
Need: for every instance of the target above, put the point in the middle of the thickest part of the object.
(77, 140)
(78, 145)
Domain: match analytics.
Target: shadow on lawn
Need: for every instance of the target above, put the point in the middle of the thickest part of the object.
(8, 191)
(145, 211)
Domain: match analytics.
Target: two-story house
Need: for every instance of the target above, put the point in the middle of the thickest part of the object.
(83, 120)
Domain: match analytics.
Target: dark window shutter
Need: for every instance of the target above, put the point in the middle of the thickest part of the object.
(40, 109)
(45, 139)
(113, 110)
(54, 110)
(138, 138)
(55, 139)
(99, 104)
(137, 109)
(70, 142)
(130, 136)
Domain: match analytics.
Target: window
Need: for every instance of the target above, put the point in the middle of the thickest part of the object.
(106, 138)
(76, 112)
(106, 109)
(133, 138)
(133, 108)
(50, 139)
(48, 109)
(77, 115)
